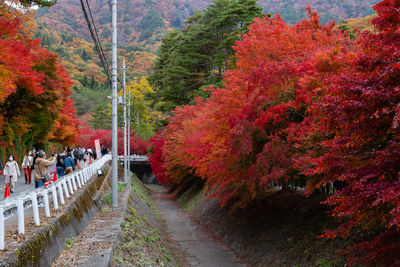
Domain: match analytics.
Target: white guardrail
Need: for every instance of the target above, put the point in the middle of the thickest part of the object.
(63, 186)
(134, 158)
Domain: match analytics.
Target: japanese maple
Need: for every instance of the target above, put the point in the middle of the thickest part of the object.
(250, 134)
(361, 111)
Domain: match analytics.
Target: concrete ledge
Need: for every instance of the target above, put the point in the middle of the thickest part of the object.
(47, 243)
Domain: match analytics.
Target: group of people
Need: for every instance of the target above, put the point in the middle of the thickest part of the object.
(35, 163)
(71, 160)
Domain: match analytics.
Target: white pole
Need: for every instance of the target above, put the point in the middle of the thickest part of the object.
(60, 192)
(73, 182)
(54, 196)
(82, 179)
(65, 188)
(129, 128)
(78, 179)
(114, 177)
(35, 208)
(21, 218)
(46, 203)
(71, 191)
(125, 126)
(2, 245)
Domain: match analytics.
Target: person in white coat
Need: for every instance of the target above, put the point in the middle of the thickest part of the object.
(27, 165)
(11, 171)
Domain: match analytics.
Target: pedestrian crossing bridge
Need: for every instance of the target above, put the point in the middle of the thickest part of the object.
(134, 158)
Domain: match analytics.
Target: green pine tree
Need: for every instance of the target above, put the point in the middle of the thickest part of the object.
(197, 56)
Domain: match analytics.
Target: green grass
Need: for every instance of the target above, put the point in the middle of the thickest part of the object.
(69, 242)
(108, 198)
(121, 187)
(143, 242)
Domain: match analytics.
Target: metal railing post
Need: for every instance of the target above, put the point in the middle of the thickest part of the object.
(21, 218)
(73, 182)
(65, 188)
(46, 203)
(71, 191)
(2, 245)
(54, 196)
(35, 208)
(60, 192)
(78, 179)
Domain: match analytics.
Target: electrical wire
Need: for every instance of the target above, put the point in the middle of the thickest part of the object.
(95, 31)
(96, 40)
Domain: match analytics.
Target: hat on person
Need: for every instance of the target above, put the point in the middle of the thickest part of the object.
(41, 153)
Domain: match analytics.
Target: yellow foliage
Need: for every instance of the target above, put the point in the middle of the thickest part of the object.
(143, 117)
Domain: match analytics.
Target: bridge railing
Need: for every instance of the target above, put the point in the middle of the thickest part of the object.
(134, 158)
(57, 191)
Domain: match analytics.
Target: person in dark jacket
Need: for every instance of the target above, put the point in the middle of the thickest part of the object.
(1, 166)
(104, 151)
(60, 166)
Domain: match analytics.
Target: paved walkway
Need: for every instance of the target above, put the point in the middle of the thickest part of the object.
(20, 188)
(200, 250)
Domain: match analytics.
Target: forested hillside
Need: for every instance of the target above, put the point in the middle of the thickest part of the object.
(141, 26)
(142, 22)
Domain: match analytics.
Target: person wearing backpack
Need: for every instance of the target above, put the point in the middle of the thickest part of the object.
(69, 163)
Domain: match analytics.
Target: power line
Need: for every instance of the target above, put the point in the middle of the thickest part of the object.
(95, 31)
(96, 40)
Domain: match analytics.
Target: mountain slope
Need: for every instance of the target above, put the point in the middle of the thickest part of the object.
(141, 26)
(143, 22)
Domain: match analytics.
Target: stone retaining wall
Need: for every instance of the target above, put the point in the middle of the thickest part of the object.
(46, 244)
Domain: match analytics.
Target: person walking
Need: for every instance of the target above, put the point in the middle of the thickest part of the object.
(27, 165)
(69, 164)
(60, 165)
(86, 159)
(42, 167)
(1, 167)
(11, 171)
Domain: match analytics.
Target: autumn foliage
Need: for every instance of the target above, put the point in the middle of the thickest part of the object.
(87, 136)
(250, 134)
(34, 87)
(361, 109)
(305, 105)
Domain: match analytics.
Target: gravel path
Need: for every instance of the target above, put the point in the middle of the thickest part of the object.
(200, 249)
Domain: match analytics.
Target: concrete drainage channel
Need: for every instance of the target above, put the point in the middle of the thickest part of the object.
(96, 244)
(44, 245)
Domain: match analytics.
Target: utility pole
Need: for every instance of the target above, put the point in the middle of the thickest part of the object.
(129, 126)
(125, 125)
(114, 173)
